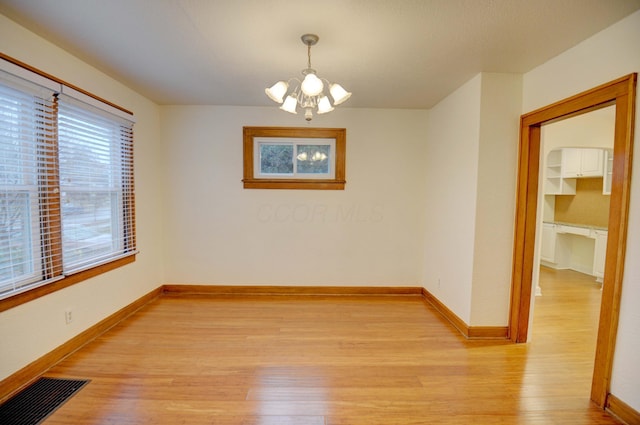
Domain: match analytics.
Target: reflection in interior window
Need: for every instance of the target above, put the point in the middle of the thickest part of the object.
(313, 159)
(276, 159)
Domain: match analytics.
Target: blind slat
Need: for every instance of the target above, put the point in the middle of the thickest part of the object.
(66, 183)
(27, 117)
(93, 171)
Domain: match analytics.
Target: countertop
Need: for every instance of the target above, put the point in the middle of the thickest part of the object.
(582, 226)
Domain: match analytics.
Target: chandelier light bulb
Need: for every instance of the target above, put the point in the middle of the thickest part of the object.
(312, 85)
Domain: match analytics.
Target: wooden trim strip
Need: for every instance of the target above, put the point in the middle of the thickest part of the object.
(60, 81)
(622, 410)
(457, 322)
(488, 332)
(35, 369)
(176, 289)
(469, 332)
(28, 374)
(293, 184)
(40, 291)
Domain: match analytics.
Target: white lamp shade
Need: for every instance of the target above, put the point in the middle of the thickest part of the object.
(290, 104)
(324, 105)
(338, 93)
(312, 85)
(277, 91)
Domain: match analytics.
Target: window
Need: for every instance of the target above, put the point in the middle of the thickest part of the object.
(66, 182)
(95, 154)
(27, 124)
(294, 158)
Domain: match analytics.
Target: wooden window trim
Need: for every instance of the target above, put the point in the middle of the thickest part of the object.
(337, 183)
(48, 288)
(61, 81)
(71, 279)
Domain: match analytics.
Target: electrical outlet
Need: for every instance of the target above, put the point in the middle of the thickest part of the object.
(68, 316)
(438, 283)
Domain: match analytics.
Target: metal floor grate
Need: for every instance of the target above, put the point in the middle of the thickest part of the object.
(39, 400)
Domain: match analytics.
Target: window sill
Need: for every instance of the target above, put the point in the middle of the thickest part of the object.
(293, 184)
(41, 291)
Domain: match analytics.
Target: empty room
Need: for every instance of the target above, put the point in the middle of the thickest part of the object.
(319, 213)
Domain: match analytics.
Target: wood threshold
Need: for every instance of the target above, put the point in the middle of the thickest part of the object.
(622, 410)
(28, 374)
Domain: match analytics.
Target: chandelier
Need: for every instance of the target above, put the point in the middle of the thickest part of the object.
(308, 93)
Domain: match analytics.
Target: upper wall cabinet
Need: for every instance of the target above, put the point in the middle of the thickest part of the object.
(579, 162)
(555, 183)
(564, 166)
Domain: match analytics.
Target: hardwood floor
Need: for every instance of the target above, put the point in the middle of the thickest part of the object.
(311, 360)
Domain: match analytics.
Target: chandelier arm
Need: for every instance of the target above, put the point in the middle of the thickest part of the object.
(328, 84)
(307, 101)
(296, 87)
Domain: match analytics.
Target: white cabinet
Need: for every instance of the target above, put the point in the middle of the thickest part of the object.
(555, 183)
(548, 248)
(580, 162)
(555, 249)
(563, 166)
(599, 254)
(565, 246)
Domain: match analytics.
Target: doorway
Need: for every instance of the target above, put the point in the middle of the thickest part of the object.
(576, 157)
(621, 93)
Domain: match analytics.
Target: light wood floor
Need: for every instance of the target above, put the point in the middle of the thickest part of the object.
(287, 360)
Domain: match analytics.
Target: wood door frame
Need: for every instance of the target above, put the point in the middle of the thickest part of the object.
(622, 94)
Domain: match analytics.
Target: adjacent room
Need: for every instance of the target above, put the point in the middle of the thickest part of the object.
(339, 212)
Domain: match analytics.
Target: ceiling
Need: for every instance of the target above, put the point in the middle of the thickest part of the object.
(389, 53)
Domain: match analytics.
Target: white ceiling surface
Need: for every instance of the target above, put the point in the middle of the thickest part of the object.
(389, 53)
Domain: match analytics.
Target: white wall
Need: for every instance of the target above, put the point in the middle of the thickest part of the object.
(33, 329)
(221, 234)
(471, 164)
(452, 167)
(604, 57)
(500, 108)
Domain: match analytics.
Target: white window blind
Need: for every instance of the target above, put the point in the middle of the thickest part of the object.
(96, 184)
(28, 185)
(66, 181)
